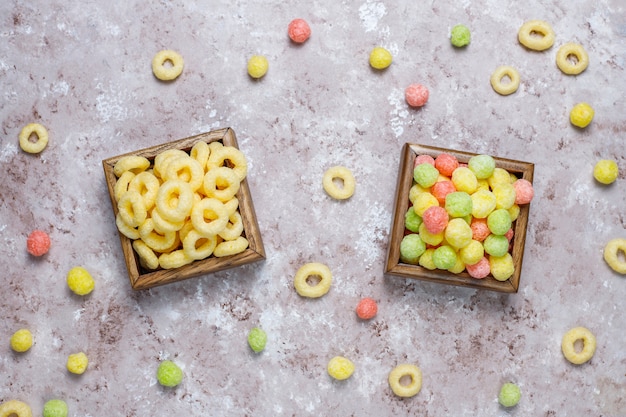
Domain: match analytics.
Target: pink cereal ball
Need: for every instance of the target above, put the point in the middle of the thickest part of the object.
(299, 30)
(367, 308)
(509, 235)
(446, 164)
(416, 95)
(480, 229)
(441, 189)
(480, 269)
(435, 219)
(524, 191)
(38, 243)
(424, 159)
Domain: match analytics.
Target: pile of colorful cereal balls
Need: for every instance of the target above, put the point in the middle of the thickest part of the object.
(461, 216)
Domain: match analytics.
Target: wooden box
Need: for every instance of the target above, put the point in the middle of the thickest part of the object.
(394, 266)
(141, 278)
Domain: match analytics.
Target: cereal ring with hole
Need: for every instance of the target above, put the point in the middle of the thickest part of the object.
(187, 227)
(167, 73)
(231, 206)
(234, 227)
(221, 183)
(147, 257)
(197, 246)
(174, 259)
(147, 185)
(37, 130)
(200, 152)
(15, 408)
(185, 169)
(162, 226)
(122, 183)
(401, 372)
(588, 345)
(536, 35)
(231, 247)
(156, 241)
(164, 158)
(133, 163)
(345, 176)
(221, 155)
(174, 200)
(499, 74)
(572, 59)
(126, 229)
(209, 217)
(611, 252)
(132, 208)
(313, 269)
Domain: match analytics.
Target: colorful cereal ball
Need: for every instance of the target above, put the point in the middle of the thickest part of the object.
(21, 340)
(496, 245)
(444, 257)
(499, 221)
(464, 179)
(257, 66)
(509, 395)
(458, 204)
(411, 248)
(605, 171)
(482, 165)
(502, 267)
(77, 363)
(441, 189)
(257, 339)
(460, 36)
(169, 374)
(55, 408)
(480, 269)
(423, 201)
(426, 175)
(435, 219)
(380, 58)
(581, 115)
(472, 253)
(80, 281)
(458, 234)
(483, 203)
(446, 164)
(416, 95)
(340, 368)
(524, 191)
(426, 260)
(299, 30)
(367, 308)
(432, 239)
(412, 221)
(38, 243)
(505, 194)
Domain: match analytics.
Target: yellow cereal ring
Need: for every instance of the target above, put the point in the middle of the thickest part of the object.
(402, 371)
(132, 208)
(200, 152)
(185, 169)
(231, 206)
(42, 138)
(125, 229)
(163, 226)
(611, 252)
(174, 259)
(133, 163)
(187, 227)
(162, 159)
(147, 185)
(536, 35)
(15, 408)
(220, 155)
(122, 183)
(215, 146)
(196, 246)
(147, 257)
(154, 240)
(313, 269)
(233, 228)
(579, 62)
(210, 209)
(221, 183)
(167, 73)
(569, 350)
(499, 74)
(174, 200)
(231, 247)
(346, 177)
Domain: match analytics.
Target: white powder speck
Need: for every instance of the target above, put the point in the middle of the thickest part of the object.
(399, 113)
(370, 13)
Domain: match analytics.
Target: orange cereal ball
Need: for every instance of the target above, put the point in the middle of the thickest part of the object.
(299, 30)
(524, 191)
(38, 243)
(367, 308)
(441, 189)
(416, 95)
(446, 164)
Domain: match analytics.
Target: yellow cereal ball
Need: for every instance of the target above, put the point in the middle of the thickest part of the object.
(432, 239)
(514, 212)
(499, 175)
(22, 340)
(505, 195)
(77, 363)
(257, 66)
(472, 253)
(426, 260)
(380, 58)
(483, 203)
(605, 171)
(581, 115)
(458, 267)
(80, 281)
(340, 368)
(423, 201)
(415, 190)
(458, 233)
(502, 267)
(464, 180)
(483, 184)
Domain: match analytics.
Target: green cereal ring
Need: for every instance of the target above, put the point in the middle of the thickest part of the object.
(459, 204)
(55, 408)
(496, 245)
(412, 221)
(411, 248)
(509, 395)
(502, 267)
(499, 221)
(257, 338)
(482, 165)
(425, 175)
(169, 374)
(444, 257)
(460, 36)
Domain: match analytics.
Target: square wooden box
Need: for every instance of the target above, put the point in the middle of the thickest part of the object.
(141, 278)
(405, 180)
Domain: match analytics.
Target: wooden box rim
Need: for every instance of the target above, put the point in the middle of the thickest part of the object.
(142, 279)
(394, 266)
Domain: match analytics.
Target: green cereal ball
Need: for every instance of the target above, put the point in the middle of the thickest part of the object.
(460, 36)
(496, 245)
(499, 221)
(412, 221)
(502, 267)
(425, 175)
(459, 204)
(483, 203)
(464, 179)
(444, 257)
(257, 338)
(411, 248)
(509, 395)
(458, 233)
(472, 253)
(426, 260)
(482, 166)
(505, 195)
(169, 374)
(55, 408)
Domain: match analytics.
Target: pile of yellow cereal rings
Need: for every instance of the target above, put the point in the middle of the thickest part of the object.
(182, 207)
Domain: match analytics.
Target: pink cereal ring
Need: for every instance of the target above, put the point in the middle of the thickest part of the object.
(367, 308)
(424, 159)
(299, 30)
(480, 269)
(480, 230)
(416, 95)
(446, 164)
(38, 243)
(435, 219)
(524, 191)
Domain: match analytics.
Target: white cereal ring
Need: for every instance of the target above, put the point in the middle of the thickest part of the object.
(536, 35)
(231, 247)
(167, 73)
(220, 155)
(200, 152)
(42, 138)
(186, 169)
(147, 185)
(505, 88)
(312, 269)
(197, 246)
(401, 371)
(161, 225)
(233, 228)
(156, 241)
(343, 174)
(174, 200)
(133, 163)
(579, 62)
(174, 259)
(163, 158)
(569, 350)
(122, 183)
(126, 229)
(132, 208)
(221, 183)
(611, 252)
(209, 217)
(147, 257)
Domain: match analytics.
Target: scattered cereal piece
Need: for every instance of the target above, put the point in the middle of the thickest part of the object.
(380, 58)
(581, 115)
(509, 395)
(402, 371)
(77, 363)
(167, 73)
(340, 368)
(605, 171)
(588, 345)
(536, 35)
(257, 338)
(367, 308)
(460, 36)
(499, 76)
(80, 281)
(38, 243)
(169, 374)
(611, 255)
(299, 30)
(21, 340)
(257, 66)
(313, 290)
(416, 95)
(33, 129)
(571, 66)
(15, 408)
(524, 191)
(344, 175)
(55, 408)
(411, 248)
